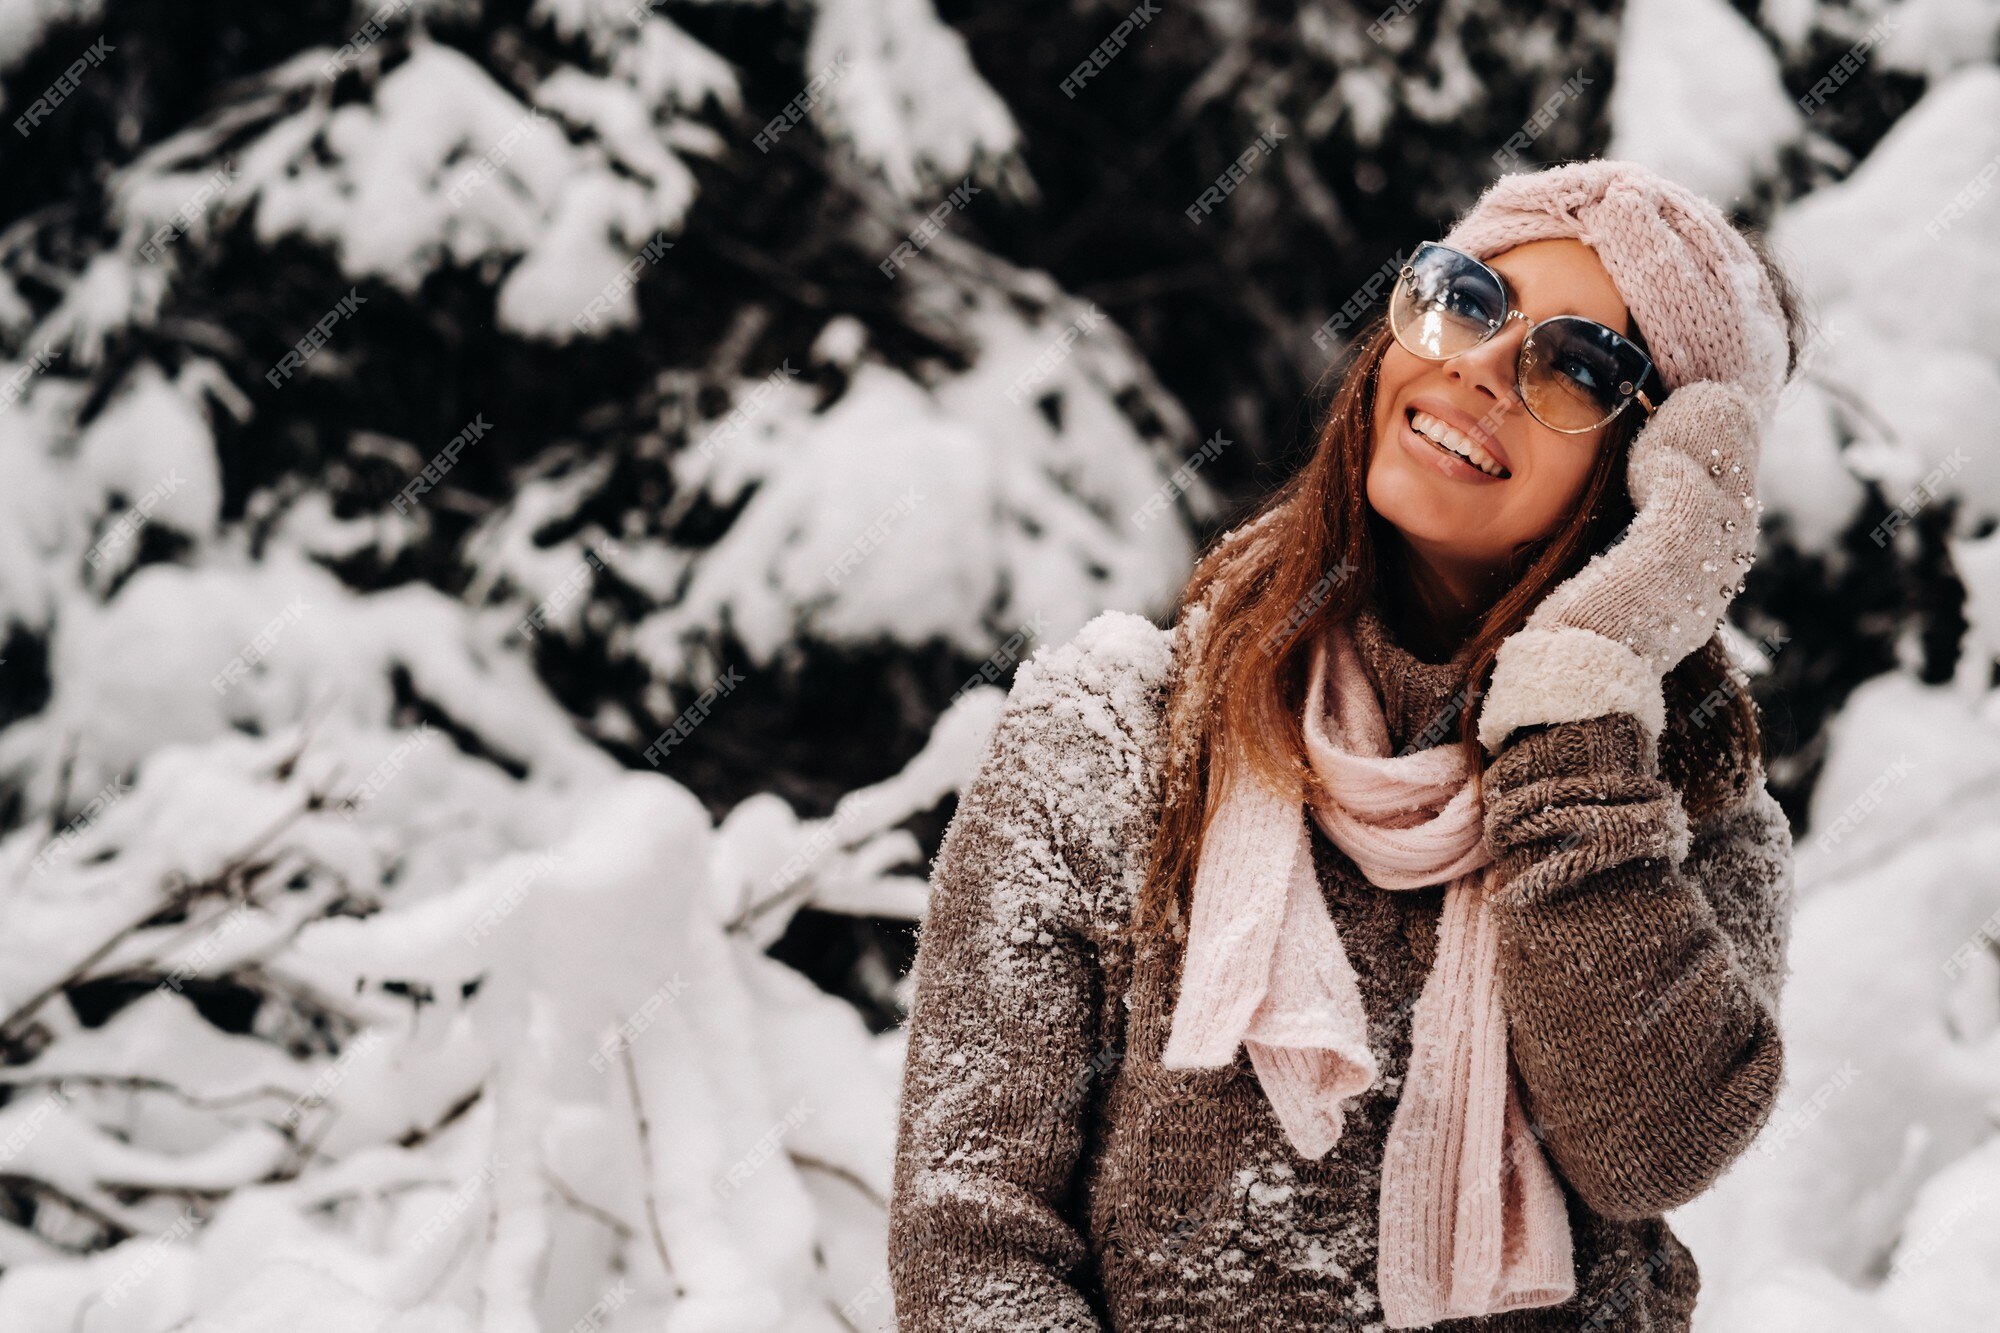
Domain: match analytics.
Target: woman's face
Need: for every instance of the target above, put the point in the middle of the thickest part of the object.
(1462, 521)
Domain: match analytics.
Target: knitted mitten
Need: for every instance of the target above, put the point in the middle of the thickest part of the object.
(1604, 639)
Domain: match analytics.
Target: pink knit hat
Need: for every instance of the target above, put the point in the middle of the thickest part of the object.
(1698, 292)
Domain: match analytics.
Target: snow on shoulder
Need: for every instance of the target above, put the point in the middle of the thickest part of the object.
(1117, 657)
(1081, 725)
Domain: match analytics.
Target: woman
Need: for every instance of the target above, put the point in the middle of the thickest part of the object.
(1395, 940)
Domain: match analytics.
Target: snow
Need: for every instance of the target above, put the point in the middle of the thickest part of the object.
(23, 23)
(910, 512)
(441, 165)
(567, 942)
(1870, 1202)
(298, 1296)
(1698, 96)
(555, 893)
(902, 90)
(1904, 344)
(515, 1055)
(1935, 37)
(1977, 563)
(1892, 1049)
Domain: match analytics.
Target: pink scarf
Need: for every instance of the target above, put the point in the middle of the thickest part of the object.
(1472, 1220)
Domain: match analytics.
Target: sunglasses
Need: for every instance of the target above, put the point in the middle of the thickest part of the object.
(1573, 374)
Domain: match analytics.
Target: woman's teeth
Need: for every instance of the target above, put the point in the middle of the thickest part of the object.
(1437, 432)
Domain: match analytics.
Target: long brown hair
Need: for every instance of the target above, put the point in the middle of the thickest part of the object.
(1301, 560)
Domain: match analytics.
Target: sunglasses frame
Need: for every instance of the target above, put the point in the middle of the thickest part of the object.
(1629, 390)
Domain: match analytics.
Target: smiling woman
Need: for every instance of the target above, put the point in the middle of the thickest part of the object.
(1431, 1032)
(1464, 474)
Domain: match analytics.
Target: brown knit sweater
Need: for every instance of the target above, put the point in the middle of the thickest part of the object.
(1050, 1174)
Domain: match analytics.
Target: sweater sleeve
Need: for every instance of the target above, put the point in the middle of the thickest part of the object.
(1001, 1057)
(1640, 960)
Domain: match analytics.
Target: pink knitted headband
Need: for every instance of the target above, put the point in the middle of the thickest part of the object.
(1696, 289)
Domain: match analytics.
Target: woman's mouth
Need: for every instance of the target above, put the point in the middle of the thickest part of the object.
(1460, 456)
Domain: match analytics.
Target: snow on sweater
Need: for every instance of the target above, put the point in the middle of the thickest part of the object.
(1051, 1175)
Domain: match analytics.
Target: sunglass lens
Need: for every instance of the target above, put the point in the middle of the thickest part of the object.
(1445, 305)
(1575, 372)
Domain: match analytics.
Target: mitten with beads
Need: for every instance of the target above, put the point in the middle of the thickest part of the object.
(1604, 639)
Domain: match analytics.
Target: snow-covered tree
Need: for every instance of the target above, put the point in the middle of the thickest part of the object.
(513, 515)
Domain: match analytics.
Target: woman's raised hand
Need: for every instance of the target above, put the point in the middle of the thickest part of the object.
(1604, 639)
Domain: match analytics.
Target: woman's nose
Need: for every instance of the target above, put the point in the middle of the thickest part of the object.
(1490, 366)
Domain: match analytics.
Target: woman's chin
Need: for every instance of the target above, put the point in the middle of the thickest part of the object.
(1416, 508)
